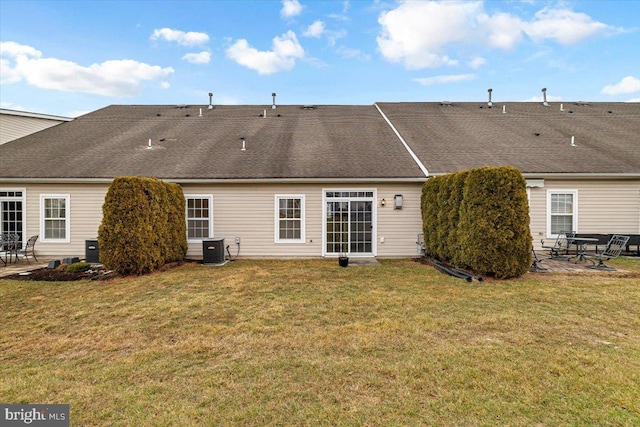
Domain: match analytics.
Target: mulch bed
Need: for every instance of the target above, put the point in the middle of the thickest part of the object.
(55, 275)
(97, 272)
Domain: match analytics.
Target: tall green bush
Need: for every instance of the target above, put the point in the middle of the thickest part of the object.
(494, 229)
(143, 225)
(430, 208)
(479, 219)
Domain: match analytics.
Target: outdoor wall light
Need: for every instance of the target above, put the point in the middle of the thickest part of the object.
(397, 201)
(383, 202)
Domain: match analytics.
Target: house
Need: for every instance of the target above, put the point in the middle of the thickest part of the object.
(289, 181)
(16, 124)
(312, 181)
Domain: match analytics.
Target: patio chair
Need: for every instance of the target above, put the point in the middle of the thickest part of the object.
(9, 246)
(29, 248)
(615, 246)
(562, 244)
(535, 261)
(4, 248)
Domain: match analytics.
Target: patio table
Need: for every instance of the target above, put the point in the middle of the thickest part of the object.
(581, 247)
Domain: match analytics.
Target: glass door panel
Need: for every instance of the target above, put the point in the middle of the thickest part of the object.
(349, 224)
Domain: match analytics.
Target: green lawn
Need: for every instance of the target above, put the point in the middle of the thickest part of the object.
(305, 342)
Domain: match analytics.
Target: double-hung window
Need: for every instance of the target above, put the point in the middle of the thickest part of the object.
(54, 214)
(562, 211)
(199, 216)
(289, 213)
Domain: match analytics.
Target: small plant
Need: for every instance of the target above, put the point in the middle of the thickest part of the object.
(78, 267)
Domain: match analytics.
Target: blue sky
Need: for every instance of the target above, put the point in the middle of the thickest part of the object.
(71, 57)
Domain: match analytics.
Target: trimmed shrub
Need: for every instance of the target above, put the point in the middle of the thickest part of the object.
(430, 208)
(493, 230)
(143, 225)
(78, 267)
(479, 219)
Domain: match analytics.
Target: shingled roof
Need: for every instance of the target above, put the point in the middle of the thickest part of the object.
(291, 142)
(331, 142)
(535, 138)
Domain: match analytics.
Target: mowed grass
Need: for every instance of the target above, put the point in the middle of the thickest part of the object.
(305, 342)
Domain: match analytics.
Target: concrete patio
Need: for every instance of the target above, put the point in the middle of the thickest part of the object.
(22, 266)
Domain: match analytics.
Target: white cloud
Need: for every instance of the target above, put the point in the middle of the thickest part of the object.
(540, 98)
(420, 34)
(334, 36)
(314, 30)
(349, 53)
(198, 58)
(628, 84)
(13, 49)
(343, 15)
(110, 78)
(165, 85)
(290, 8)
(444, 79)
(11, 106)
(416, 33)
(503, 31)
(184, 39)
(477, 62)
(563, 26)
(285, 51)
(634, 100)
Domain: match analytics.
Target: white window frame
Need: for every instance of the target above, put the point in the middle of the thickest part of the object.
(574, 193)
(208, 197)
(374, 218)
(277, 219)
(23, 200)
(67, 218)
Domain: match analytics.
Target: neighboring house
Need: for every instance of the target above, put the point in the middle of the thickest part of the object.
(581, 160)
(319, 180)
(16, 124)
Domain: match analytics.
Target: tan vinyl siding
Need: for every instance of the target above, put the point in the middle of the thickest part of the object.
(400, 228)
(604, 206)
(243, 210)
(248, 211)
(14, 127)
(85, 214)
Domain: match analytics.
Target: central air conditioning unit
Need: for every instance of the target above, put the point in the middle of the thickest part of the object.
(213, 251)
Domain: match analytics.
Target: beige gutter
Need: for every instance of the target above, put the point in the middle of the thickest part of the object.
(4, 181)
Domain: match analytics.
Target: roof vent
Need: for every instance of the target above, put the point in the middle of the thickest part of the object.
(582, 103)
(490, 104)
(181, 106)
(210, 100)
(544, 97)
(244, 144)
(273, 106)
(308, 107)
(445, 103)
